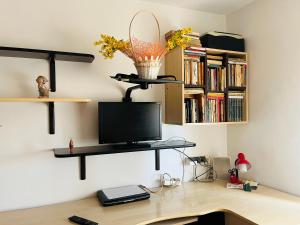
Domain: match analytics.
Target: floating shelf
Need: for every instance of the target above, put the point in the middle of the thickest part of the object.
(82, 152)
(50, 56)
(44, 54)
(46, 100)
(143, 83)
(50, 102)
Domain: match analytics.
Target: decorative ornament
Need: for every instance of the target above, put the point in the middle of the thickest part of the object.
(43, 89)
(71, 145)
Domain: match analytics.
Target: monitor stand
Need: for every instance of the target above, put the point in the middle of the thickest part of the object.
(132, 145)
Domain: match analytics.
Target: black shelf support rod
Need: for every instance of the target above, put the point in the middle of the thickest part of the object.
(51, 118)
(157, 160)
(127, 97)
(82, 168)
(52, 73)
(52, 89)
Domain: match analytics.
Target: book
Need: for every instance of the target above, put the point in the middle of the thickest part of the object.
(194, 52)
(194, 72)
(215, 57)
(193, 91)
(195, 48)
(214, 62)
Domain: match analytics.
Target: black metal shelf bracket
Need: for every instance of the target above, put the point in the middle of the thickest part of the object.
(52, 73)
(127, 97)
(51, 118)
(52, 89)
(157, 160)
(82, 165)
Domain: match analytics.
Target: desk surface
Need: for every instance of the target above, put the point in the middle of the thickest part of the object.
(264, 206)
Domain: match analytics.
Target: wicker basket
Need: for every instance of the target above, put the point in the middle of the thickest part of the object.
(148, 69)
(146, 55)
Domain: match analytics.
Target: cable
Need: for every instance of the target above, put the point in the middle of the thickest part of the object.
(181, 152)
(152, 191)
(174, 182)
(196, 177)
(183, 165)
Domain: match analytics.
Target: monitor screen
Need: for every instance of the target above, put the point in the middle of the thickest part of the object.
(129, 121)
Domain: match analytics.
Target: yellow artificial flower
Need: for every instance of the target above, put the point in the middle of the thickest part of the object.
(178, 38)
(109, 45)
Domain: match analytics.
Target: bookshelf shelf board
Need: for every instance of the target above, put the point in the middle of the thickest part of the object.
(82, 152)
(231, 88)
(221, 123)
(217, 92)
(46, 100)
(213, 51)
(193, 86)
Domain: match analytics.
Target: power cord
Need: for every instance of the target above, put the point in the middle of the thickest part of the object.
(169, 182)
(208, 172)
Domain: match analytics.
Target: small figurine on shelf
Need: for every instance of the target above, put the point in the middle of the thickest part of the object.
(43, 89)
(71, 145)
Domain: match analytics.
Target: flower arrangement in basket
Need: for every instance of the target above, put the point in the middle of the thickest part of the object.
(145, 55)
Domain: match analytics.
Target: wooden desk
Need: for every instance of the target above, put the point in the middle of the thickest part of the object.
(264, 206)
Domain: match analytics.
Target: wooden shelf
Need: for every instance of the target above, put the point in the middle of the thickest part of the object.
(222, 123)
(82, 152)
(46, 100)
(193, 86)
(213, 51)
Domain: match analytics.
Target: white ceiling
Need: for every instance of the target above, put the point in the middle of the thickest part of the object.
(214, 6)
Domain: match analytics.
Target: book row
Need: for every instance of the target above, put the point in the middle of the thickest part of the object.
(193, 72)
(216, 78)
(237, 71)
(210, 108)
(235, 107)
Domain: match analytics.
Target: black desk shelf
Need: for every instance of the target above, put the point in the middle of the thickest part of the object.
(50, 56)
(143, 83)
(82, 152)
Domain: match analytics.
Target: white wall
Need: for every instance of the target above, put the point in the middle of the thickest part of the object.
(271, 140)
(29, 173)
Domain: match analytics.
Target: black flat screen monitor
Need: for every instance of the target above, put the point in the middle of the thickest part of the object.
(129, 122)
